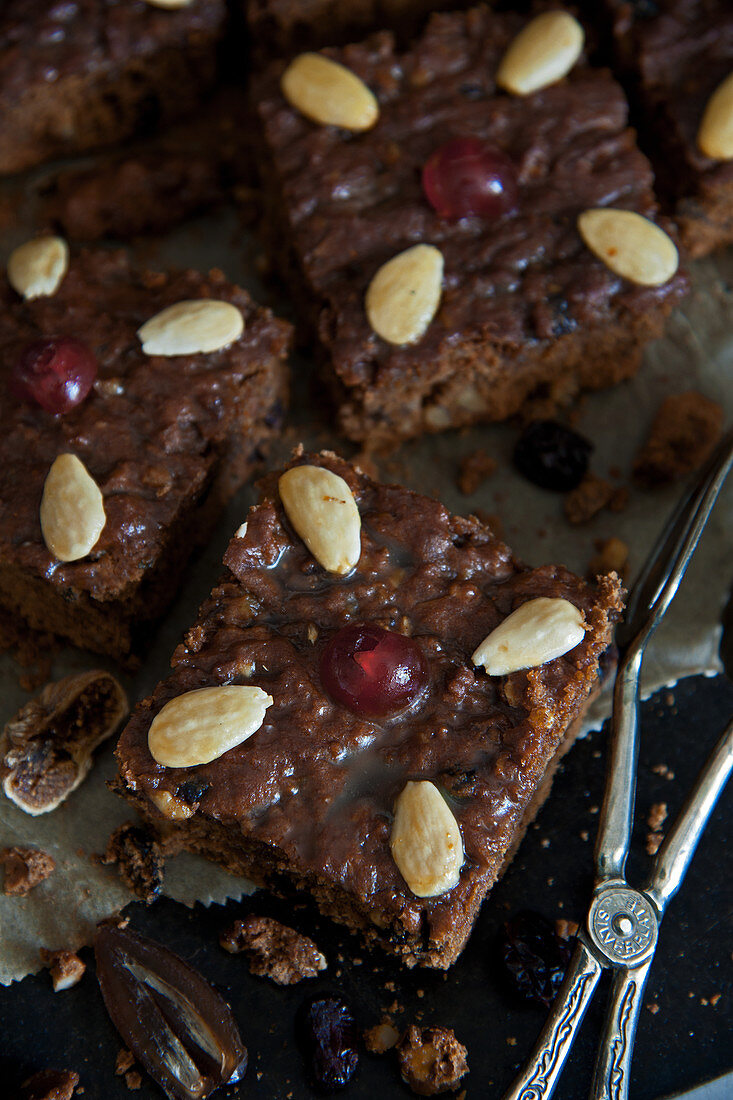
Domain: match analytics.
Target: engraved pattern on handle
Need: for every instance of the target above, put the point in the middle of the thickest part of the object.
(611, 1077)
(541, 1071)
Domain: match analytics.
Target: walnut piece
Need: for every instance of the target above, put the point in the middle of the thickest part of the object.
(685, 430)
(140, 860)
(66, 968)
(50, 1084)
(24, 869)
(273, 950)
(46, 749)
(431, 1060)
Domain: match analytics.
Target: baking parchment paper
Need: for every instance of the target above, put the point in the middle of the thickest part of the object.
(696, 353)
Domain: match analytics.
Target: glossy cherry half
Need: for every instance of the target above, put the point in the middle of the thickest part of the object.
(467, 176)
(56, 373)
(373, 671)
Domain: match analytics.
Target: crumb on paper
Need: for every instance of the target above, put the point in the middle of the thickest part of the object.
(587, 499)
(273, 950)
(50, 1084)
(382, 1037)
(66, 968)
(24, 869)
(125, 1060)
(431, 1060)
(139, 859)
(492, 520)
(474, 469)
(685, 430)
(612, 556)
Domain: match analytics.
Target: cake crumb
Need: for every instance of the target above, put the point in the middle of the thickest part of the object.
(566, 929)
(653, 1007)
(685, 430)
(715, 998)
(511, 1040)
(588, 499)
(475, 468)
(24, 869)
(125, 1060)
(65, 967)
(657, 816)
(612, 556)
(133, 1080)
(653, 843)
(544, 843)
(584, 834)
(382, 1037)
(273, 950)
(139, 858)
(431, 1060)
(50, 1084)
(663, 770)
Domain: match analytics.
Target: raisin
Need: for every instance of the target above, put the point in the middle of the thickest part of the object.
(328, 1038)
(552, 456)
(192, 791)
(533, 957)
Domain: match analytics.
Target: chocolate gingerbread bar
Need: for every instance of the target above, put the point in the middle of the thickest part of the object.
(77, 75)
(129, 449)
(341, 695)
(513, 302)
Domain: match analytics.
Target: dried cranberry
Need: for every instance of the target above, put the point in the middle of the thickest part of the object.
(533, 957)
(373, 671)
(56, 373)
(552, 456)
(466, 176)
(328, 1037)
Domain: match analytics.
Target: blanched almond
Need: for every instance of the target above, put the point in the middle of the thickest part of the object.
(322, 509)
(329, 93)
(72, 509)
(201, 725)
(542, 53)
(170, 5)
(426, 842)
(36, 268)
(536, 632)
(404, 295)
(629, 245)
(190, 328)
(715, 136)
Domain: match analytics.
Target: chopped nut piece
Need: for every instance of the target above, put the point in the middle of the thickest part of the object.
(474, 470)
(46, 749)
(273, 950)
(612, 557)
(125, 1060)
(24, 869)
(431, 1060)
(66, 968)
(381, 1038)
(593, 494)
(685, 430)
(50, 1084)
(139, 859)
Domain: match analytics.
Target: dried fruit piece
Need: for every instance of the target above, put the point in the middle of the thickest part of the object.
(46, 749)
(373, 671)
(329, 93)
(24, 869)
(273, 950)
(533, 957)
(191, 328)
(201, 725)
(466, 176)
(321, 507)
(538, 631)
(552, 456)
(542, 53)
(72, 509)
(36, 268)
(629, 245)
(404, 295)
(177, 1026)
(328, 1037)
(426, 842)
(715, 136)
(56, 373)
(431, 1060)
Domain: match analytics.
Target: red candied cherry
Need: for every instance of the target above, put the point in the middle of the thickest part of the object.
(56, 373)
(466, 176)
(373, 671)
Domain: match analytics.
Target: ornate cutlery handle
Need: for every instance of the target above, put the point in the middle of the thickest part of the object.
(613, 1063)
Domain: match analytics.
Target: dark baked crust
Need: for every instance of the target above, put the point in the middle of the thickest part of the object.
(168, 440)
(307, 801)
(675, 54)
(74, 76)
(526, 308)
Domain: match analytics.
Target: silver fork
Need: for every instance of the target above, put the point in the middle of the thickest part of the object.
(623, 923)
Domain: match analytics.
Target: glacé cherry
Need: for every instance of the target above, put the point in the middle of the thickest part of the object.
(373, 671)
(467, 176)
(56, 373)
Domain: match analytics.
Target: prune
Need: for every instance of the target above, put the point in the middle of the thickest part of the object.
(328, 1038)
(192, 791)
(552, 456)
(533, 957)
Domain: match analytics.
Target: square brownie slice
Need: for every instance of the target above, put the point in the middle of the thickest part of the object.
(166, 439)
(676, 54)
(77, 75)
(358, 683)
(524, 307)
